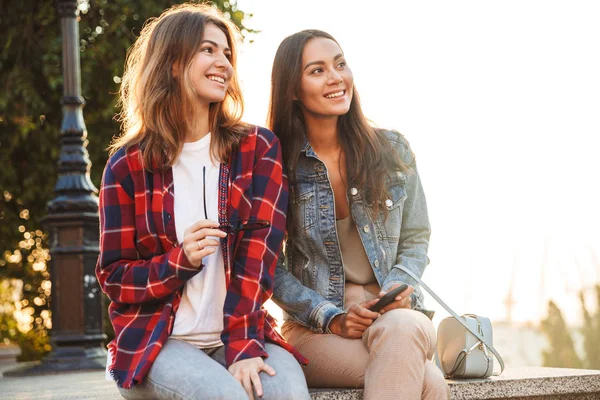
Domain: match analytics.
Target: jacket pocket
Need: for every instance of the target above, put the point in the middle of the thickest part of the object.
(394, 204)
(300, 266)
(306, 215)
(396, 188)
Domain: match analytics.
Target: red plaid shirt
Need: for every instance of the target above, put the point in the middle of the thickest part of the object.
(143, 269)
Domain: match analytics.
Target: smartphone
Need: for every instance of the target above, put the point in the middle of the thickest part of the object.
(388, 298)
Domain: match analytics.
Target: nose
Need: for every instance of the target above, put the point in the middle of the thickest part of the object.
(222, 62)
(334, 78)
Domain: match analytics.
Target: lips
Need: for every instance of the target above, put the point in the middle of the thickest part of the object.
(335, 95)
(216, 78)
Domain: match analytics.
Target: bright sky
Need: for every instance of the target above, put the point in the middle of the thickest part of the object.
(501, 104)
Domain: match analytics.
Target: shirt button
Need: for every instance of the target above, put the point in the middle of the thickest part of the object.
(389, 203)
(376, 263)
(366, 228)
(354, 191)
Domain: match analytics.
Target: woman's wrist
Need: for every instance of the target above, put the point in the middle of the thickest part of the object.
(335, 325)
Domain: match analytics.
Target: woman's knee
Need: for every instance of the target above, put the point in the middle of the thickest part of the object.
(408, 324)
(288, 383)
(435, 386)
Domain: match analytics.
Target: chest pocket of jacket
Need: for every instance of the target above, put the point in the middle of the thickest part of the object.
(396, 196)
(306, 208)
(396, 187)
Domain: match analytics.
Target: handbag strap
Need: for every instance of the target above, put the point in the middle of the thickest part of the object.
(459, 319)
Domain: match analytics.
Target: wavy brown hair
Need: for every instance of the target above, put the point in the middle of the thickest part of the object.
(367, 151)
(157, 109)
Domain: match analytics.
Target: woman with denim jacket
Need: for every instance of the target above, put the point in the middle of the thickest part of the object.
(357, 215)
(192, 218)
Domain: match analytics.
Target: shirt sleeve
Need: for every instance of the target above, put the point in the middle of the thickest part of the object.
(415, 231)
(303, 304)
(122, 274)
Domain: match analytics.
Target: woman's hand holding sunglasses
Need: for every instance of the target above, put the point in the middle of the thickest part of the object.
(201, 240)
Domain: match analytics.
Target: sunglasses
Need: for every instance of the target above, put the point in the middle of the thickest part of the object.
(234, 226)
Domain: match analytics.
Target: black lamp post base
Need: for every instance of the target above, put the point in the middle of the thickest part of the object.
(64, 360)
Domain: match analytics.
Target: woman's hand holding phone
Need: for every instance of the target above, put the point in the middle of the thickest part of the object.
(359, 317)
(353, 323)
(402, 300)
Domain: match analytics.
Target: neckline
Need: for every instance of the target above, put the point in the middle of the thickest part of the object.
(198, 144)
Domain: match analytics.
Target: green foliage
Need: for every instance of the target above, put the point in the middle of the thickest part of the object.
(30, 119)
(561, 352)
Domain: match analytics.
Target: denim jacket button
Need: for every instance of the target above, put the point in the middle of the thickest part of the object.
(366, 228)
(354, 191)
(376, 263)
(389, 203)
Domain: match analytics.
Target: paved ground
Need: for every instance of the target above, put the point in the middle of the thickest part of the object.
(69, 386)
(514, 383)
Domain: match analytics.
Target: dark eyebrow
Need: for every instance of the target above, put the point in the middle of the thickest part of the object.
(215, 44)
(322, 62)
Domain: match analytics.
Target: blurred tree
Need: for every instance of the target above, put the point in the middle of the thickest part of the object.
(591, 333)
(561, 352)
(30, 119)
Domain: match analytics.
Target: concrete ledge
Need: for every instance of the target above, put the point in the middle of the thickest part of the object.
(524, 383)
(530, 383)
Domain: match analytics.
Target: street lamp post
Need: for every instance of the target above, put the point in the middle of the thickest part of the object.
(76, 335)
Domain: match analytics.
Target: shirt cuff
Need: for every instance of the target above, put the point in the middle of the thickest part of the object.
(244, 349)
(184, 270)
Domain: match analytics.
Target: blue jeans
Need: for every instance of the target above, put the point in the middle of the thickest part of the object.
(182, 371)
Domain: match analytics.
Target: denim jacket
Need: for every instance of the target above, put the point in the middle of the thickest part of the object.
(309, 279)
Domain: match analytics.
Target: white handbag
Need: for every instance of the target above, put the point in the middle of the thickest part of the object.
(463, 343)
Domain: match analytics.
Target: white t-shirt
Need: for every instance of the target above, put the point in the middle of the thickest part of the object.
(199, 319)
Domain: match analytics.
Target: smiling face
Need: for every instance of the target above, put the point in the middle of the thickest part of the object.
(326, 81)
(210, 70)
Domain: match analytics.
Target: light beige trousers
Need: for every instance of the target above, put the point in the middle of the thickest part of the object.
(391, 361)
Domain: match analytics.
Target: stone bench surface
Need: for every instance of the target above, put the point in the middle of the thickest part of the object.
(522, 382)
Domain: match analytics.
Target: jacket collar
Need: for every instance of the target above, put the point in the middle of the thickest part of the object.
(307, 148)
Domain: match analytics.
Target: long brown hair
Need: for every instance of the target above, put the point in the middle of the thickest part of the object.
(157, 109)
(367, 154)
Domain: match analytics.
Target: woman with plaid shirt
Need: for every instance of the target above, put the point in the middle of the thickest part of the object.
(192, 218)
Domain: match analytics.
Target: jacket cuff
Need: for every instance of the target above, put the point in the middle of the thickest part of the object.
(184, 270)
(244, 349)
(322, 315)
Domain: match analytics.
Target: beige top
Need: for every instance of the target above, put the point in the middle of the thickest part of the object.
(356, 263)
